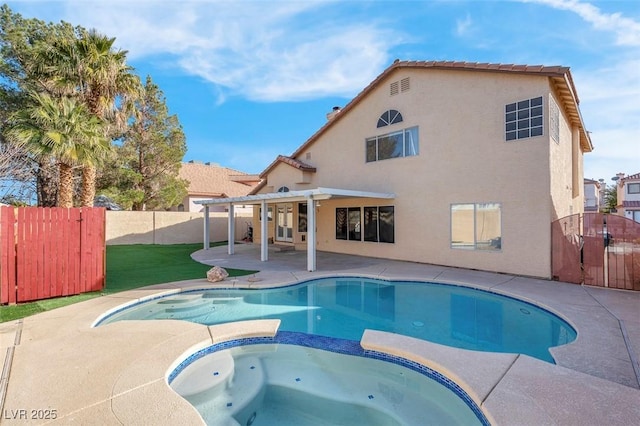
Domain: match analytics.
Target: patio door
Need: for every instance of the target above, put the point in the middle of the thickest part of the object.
(284, 222)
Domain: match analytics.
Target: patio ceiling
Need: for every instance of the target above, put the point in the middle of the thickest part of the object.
(292, 196)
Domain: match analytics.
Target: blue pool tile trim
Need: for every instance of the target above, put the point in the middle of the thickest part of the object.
(342, 346)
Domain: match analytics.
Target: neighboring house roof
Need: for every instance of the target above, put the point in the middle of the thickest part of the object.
(632, 204)
(211, 180)
(631, 177)
(591, 181)
(559, 75)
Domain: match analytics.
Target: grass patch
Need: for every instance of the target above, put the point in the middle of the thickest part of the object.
(130, 267)
(13, 312)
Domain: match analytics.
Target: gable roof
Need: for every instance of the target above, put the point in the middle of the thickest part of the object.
(559, 75)
(291, 162)
(300, 165)
(211, 180)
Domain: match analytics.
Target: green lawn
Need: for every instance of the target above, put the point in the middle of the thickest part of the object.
(129, 267)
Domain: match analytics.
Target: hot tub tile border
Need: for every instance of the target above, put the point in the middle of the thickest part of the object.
(342, 346)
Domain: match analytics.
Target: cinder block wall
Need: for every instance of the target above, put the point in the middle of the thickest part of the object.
(151, 227)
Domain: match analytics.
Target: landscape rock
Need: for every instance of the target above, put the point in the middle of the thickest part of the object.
(216, 274)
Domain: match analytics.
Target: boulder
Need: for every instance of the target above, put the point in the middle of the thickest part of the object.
(216, 274)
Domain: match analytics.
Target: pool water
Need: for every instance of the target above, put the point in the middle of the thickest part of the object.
(284, 384)
(344, 307)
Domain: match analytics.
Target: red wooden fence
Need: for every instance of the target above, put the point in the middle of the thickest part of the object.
(50, 252)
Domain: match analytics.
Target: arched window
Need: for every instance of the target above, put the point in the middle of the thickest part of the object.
(283, 189)
(389, 117)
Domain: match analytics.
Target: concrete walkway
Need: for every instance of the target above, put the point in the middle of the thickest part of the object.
(60, 370)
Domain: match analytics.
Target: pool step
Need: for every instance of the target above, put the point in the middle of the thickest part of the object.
(240, 397)
(197, 387)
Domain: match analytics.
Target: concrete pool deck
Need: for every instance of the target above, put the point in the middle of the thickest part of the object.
(57, 366)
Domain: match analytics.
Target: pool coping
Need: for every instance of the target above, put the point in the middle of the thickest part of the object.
(118, 373)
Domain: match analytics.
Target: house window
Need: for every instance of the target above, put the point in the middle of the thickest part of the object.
(554, 120)
(348, 224)
(389, 117)
(379, 224)
(403, 143)
(523, 119)
(283, 189)
(633, 188)
(476, 226)
(302, 217)
(269, 214)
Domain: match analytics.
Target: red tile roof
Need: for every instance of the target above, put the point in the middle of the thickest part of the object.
(300, 165)
(291, 162)
(631, 177)
(295, 163)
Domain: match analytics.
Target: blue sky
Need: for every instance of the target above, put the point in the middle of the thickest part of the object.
(253, 79)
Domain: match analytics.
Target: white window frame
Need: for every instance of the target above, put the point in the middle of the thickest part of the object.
(633, 185)
(414, 145)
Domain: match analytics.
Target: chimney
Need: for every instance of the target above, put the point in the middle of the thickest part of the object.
(334, 112)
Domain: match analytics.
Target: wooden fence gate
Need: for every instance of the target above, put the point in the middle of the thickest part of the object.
(50, 252)
(596, 249)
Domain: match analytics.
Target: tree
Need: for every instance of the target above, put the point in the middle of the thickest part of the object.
(144, 173)
(20, 41)
(62, 129)
(610, 198)
(90, 68)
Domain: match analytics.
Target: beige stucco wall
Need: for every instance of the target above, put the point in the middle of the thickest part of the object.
(151, 227)
(463, 158)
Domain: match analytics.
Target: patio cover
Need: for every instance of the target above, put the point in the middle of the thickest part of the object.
(311, 196)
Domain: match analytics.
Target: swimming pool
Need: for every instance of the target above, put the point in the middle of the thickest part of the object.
(343, 307)
(258, 382)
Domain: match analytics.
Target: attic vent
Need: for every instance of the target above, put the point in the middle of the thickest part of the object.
(308, 156)
(393, 89)
(404, 84)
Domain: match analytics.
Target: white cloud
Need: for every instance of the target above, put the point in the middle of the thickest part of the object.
(626, 29)
(609, 90)
(463, 25)
(265, 51)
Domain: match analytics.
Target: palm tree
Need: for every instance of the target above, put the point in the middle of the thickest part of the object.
(64, 129)
(98, 75)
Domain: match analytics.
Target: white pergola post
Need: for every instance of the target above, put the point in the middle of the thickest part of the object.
(311, 234)
(206, 227)
(231, 225)
(264, 233)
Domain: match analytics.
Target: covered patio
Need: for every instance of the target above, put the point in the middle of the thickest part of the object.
(311, 197)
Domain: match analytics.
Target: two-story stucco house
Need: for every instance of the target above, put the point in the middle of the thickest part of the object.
(593, 195)
(628, 190)
(450, 163)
